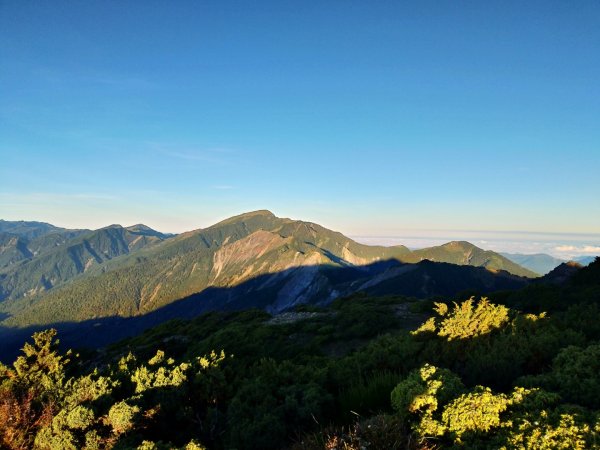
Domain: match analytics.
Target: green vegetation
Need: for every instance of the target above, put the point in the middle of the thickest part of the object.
(465, 253)
(56, 256)
(252, 260)
(365, 372)
(45, 405)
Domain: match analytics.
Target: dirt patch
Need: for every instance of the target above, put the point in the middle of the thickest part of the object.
(291, 317)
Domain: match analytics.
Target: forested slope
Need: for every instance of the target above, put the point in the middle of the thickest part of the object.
(259, 259)
(517, 370)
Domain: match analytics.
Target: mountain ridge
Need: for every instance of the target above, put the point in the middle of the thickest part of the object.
(291, 257)
(466, 253)
(65, 255)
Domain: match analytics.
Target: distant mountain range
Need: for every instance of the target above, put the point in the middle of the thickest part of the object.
(50, 275)
(585, 260)
(543, 263)
(28, 230)
(35, 257)
(466, 254)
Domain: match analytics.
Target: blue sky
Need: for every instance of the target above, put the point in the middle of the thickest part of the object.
(372, 118)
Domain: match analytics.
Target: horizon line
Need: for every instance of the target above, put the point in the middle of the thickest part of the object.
(399, 234)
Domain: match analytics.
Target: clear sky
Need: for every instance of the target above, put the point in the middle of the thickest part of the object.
(372, 118)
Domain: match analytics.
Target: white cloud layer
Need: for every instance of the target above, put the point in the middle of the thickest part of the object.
(569, 248)
(585, 249)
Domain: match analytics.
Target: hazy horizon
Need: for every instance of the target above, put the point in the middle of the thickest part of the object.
(559, 245)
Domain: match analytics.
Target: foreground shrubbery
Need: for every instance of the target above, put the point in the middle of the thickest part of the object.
(441, 410)
(353, 376)
(41, 406)
(434, 408)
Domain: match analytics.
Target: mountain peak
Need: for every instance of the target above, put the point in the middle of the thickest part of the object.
(262, 213)
(259, 212)
(459, 245)
(562, 272)
(139, 227)
(145, 230)
(465, 253)
(572, 263)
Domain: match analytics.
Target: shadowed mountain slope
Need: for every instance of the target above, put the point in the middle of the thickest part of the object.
(273, 292)
(292, 259)
(561, 273)
(13, 249)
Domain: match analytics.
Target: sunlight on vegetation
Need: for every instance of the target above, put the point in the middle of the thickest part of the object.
(465, 320)
(475, 375)
(43, 406)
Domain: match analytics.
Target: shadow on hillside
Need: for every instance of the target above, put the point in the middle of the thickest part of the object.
(277, 292)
